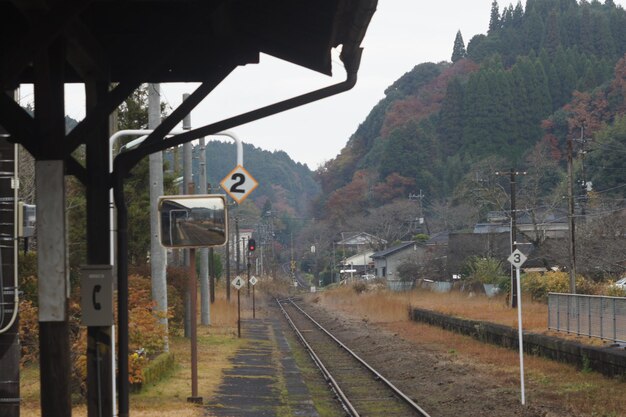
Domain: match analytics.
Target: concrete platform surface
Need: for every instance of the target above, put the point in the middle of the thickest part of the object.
(264, 380)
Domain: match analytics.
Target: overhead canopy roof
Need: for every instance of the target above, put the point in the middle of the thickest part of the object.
(176, 40)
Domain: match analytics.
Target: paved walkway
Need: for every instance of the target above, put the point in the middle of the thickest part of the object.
(264, 380)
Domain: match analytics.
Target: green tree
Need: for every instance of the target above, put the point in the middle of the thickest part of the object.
(494, 20)
(458, 51)
(133, 114)
(606, 163)
(451, 118)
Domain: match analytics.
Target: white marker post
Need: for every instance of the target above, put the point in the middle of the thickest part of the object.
(238, 283)
(517, 259)
(253, 281)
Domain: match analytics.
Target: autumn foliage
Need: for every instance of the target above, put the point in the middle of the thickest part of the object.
(145, 331)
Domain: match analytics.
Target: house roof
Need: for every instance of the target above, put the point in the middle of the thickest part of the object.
(359, 238)
(394, 249)
(440, 238)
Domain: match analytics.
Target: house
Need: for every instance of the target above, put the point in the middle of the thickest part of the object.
(358, 242)
(361, 262)
(386, 262)
(425, 254)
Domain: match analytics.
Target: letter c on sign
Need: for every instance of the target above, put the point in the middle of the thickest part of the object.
(96, 290)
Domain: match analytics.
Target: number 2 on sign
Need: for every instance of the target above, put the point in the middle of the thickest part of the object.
(239, 179)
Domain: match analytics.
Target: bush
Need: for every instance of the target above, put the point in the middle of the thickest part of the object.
(359, 287)
(613, 291)
(29, 332)
(155, 371)
(539, 285)
(145, 331)
(483, 270)
(176, 290)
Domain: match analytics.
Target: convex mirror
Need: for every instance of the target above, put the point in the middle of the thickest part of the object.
(193, 221)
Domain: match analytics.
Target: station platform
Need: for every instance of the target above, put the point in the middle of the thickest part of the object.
(265, 380)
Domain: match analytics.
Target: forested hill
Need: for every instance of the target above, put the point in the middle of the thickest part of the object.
(289, 186)
(543, 73)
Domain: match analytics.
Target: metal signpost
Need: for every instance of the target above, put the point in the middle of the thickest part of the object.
(517, 259)
(253, 281)
(238, 283)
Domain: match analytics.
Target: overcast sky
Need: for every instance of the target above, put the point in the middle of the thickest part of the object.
(402, 34)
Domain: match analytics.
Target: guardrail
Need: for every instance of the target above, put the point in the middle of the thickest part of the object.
(588, 315)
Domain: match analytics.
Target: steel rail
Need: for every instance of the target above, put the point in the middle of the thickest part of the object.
(345, 402)
(380, 377)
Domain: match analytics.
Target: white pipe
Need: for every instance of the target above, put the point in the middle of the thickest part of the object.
(16, 218)
(237, 142)
(144, 132)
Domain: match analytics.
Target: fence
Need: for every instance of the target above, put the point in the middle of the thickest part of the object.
(588, 315)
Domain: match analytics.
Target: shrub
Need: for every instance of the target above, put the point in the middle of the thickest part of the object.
(539, 285)
(156, 370)
(359, 287)
(613, 291)
(145, 331)
(484, 270)
(29, 332)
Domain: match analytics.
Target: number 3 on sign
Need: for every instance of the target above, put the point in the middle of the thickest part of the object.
(517, 258)
(239, 184)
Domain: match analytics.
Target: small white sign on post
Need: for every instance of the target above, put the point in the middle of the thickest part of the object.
(238, 282)
(253, 280)
(517, 259)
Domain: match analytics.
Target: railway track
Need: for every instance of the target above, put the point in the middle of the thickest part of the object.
(361, 390)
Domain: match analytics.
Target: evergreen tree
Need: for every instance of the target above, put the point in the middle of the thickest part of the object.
(458, 52)
(552, 40)
(494, 21)
(451, 118)
(533, 30)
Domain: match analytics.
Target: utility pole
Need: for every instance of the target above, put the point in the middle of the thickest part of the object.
(205, 284)
(157, 252)
(570, 217)
(512, 178)
(585, 187)
(419, 197)
(187, 188)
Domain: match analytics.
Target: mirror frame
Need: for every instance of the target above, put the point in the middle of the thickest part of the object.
(186, 203)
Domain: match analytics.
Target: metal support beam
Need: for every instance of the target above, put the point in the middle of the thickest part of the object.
(53, 286)
(99, 351)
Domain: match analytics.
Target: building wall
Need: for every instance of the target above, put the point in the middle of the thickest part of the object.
(391, 262)
(463, 245)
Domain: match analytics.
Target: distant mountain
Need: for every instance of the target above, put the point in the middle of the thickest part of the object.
(288, 185)
(542, 74)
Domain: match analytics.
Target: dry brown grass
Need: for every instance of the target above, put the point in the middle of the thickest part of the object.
(216, 344)
(386, 306)
(588, 393)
